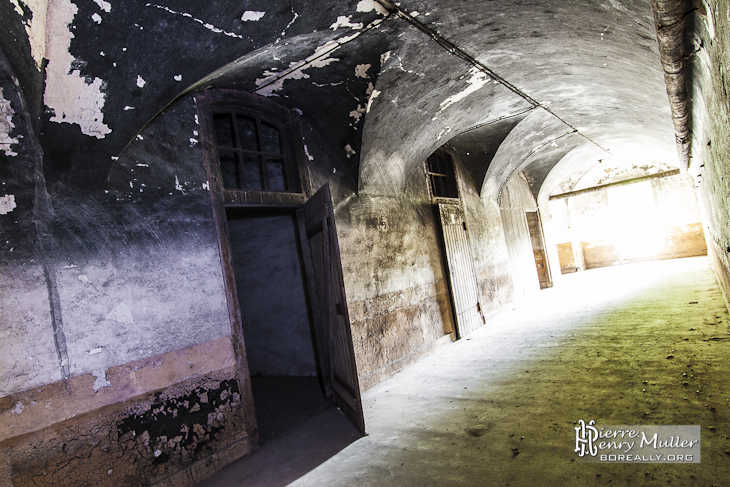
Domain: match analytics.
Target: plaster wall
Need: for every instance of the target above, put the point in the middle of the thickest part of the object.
(394, 279)
(137, 267)
(709, 90)
(29, 355)
(119, 366)
(395, 272)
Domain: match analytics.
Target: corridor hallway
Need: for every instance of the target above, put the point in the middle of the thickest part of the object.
(636, 344)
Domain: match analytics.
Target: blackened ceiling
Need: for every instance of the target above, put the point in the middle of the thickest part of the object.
(526, 85)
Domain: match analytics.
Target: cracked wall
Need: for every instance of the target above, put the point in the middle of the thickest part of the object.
(138, 441)
(29, 355)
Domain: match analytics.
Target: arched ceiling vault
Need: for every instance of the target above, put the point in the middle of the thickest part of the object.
(382, 85)
(589, 71)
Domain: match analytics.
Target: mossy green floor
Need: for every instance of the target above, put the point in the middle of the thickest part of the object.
(632, 345)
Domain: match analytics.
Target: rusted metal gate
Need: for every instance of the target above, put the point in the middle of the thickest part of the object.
(322, 265)
(462, 278)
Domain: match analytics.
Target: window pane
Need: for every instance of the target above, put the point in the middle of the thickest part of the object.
(247, 133)
(252, 172)
(452, 191)
(439, 186)
(442, 176)
(432, 165)
(251, 151)
(223, 129)
(270, 138)
(230, 170)
(276, 175)
(439, 164)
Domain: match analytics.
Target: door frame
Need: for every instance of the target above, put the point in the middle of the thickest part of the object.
(222, 198)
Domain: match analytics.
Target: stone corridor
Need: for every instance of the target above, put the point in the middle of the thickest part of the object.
(629, 345)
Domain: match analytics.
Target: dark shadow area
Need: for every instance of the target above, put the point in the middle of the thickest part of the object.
(284, 402)
(298, 429)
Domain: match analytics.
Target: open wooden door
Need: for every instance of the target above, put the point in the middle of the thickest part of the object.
(462, 279)
(538, 248)
(329, 307)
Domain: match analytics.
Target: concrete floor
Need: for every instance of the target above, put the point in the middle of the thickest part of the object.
(638, 344)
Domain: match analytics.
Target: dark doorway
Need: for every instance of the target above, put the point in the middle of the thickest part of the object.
(294, 319)
(275, 317)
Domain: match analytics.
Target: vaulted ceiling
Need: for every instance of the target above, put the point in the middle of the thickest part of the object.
(528, 85)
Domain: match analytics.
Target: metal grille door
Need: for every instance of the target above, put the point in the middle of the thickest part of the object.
(461, 269)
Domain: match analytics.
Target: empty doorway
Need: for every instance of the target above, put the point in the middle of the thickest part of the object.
(275, 317)
(289, 288)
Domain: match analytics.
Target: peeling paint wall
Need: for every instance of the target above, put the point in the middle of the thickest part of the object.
(6, 127)
(35, 27)
(150, 435)
(122, 325)
(68, 94)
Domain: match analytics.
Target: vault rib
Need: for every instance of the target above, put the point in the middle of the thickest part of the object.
(463, 55)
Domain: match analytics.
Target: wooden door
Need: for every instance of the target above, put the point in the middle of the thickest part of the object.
(462, 279)
(333, 338)
(538, 249)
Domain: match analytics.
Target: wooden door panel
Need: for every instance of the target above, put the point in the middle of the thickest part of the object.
(462, 278)
(534, 227)
(329, 306)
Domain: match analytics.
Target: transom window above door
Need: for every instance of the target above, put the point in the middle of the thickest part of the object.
(253, 148)
(251, 154)
(441, 175)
